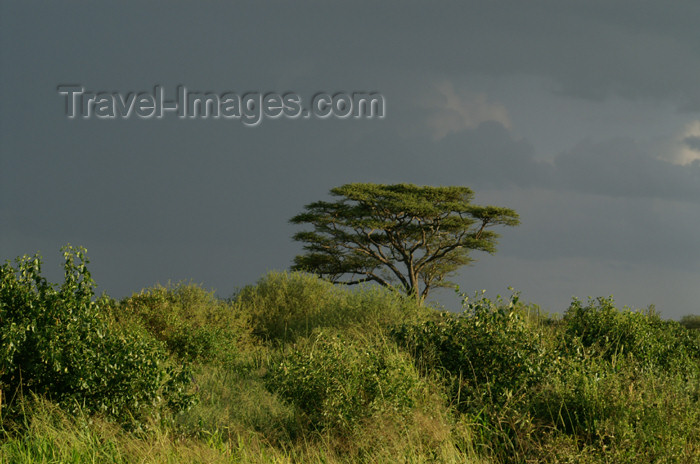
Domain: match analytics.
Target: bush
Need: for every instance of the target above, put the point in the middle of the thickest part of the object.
(691, 321)
(56, 342)
(487, 350)
(337, 382)
(620, 411)
(284, 306)
(193, 323)
(602, 330)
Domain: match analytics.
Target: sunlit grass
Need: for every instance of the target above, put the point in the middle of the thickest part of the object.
(613, 386)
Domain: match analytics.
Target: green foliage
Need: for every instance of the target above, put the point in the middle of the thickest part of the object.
(193, 323)
(337, 382)
(53, 436)
(622, 412)
(625, 383)
(237, 400)
(486, 350)
(405, 235)
(295, 369)
(56, 342)
(283, 306)
(600, 328)
(691, 321)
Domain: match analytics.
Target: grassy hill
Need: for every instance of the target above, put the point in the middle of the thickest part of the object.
(294, 369)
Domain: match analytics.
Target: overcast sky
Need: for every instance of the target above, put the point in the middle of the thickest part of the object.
(584, 116)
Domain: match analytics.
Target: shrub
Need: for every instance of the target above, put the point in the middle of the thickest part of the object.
(486, 350)
(193, 323)
(620, 411)
(336, 382)
(56, 342)
(601, 329)
(691, 321)
(284, 306)
(625, 385)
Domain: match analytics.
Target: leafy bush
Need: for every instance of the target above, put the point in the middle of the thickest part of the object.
(193, 323)
(284, 306)
(600, 328)
(56, 342)
(691, 321)
(336, 382)
(580, 395)
(486, 350)
(621, 411)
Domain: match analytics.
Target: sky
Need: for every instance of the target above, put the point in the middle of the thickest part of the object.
(583, 116)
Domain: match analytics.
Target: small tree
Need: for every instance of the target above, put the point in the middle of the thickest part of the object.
(691, 321)
(57, 341)
(401, 234)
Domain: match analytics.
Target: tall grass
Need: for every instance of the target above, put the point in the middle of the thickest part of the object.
(296, 370)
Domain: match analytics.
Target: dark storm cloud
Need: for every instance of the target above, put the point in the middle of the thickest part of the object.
(625, 231)
(173, 199)
(692, 142)
(621, 168)
(592, 50)
(609, 201)
(489, 156)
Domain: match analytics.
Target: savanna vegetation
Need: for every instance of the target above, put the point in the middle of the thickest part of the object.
(295, 369)
(403, 236)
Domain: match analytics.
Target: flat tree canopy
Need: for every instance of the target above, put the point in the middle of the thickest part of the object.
(406, 236)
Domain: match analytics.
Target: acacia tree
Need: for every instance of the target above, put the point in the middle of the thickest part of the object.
(404, 235)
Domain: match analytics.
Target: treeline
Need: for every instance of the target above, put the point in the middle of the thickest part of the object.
(295, 369)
